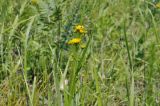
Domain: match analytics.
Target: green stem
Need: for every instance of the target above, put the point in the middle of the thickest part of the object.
(131, 96)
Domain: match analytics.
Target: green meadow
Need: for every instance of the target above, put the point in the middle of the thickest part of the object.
(79, 52)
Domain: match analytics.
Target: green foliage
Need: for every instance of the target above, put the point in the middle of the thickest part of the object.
(119, 64)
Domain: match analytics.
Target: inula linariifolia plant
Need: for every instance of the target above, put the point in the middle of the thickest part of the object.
(79, 52)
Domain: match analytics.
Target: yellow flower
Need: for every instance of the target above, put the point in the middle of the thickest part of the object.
(80, 29)
(74, 41)
(34, 1)
(158, 5)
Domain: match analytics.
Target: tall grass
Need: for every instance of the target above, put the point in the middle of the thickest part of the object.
(118, 66)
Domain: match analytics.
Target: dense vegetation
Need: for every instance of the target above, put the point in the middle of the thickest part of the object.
(79, 52)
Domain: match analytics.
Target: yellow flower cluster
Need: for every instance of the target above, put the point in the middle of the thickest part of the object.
(80, 29)
(74, 41)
